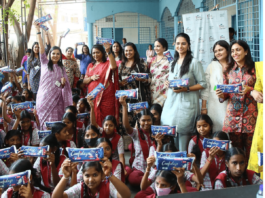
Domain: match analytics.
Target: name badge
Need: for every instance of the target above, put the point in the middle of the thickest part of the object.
(57, 83)
(37, 67)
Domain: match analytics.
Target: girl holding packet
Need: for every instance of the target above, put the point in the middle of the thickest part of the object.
(72, 109)
(96, 182)
(90, 136)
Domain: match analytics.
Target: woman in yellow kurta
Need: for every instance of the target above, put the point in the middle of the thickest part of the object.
(257, 142)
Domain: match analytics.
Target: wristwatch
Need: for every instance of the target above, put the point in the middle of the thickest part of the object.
(188, 89)
(109, 52)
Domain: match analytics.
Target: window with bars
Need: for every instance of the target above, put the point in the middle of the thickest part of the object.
(208, 5)
(223, 3)
(168, 27)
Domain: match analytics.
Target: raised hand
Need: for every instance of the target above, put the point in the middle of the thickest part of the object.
(90, 101)
(122, 100)
(66, 168)
(107, 46)
(150, 161)
(106, 166)
(25, 191)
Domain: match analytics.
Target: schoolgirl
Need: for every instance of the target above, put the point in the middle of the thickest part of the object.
(70, 120)
(81, 86)
(156, 110)
(83, 107)
(27, 94)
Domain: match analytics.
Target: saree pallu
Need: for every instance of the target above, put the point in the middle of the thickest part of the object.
(103, 103)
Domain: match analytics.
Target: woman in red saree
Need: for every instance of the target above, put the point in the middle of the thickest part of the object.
(104, 71)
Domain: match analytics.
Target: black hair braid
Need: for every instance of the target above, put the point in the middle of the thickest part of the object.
(140, 130)
(37, 181)
(227, 182)
(85, 194)
(14, 194)
(245, 175)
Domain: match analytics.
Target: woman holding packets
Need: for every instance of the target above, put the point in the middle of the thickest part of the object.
(182, 104)
(132, 64)
(241, 112)
(54, 91)
(101, 70)
(159, 69)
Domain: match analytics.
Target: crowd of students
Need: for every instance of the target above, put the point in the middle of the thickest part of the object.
(109, 122)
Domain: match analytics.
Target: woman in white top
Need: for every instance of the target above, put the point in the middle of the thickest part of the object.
(214, 76)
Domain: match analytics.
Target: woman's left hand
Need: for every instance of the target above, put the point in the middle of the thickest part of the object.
(181, 89)
(51, 157)
(141, 79)
(107, 46)
(245, 90)
(106, 166)
(179, 172)
(63, 82)
(25, 191)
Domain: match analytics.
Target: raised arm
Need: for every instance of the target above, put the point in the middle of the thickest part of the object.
(125, 119)
(92, 111)
(78, 56)
(37, 26)
(206, 162)
(60, 40)
(6, 118)
(145, 183)
(17, 84)
(113, 65)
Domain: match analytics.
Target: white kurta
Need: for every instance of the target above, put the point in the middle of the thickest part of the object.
(216, 110)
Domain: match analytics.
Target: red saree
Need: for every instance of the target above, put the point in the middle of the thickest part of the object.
(104, 101)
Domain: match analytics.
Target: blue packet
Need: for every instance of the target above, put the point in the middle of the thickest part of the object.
(81, 43)
(131, 94)
(140, 75)
(163, 163)
(180, 154)
(43, 134)
(82, 115)
(85, 154)
(45, 28)
(96, 91)
(7, 87)
(44, 19)
(137, 106)
(179, 82)
(7, 70)
(16, 179)
(101, 41)
(168, 55)
(1, 120)
(232, 88)
(165, 130)
(222, 144)
(22, 105)
(19, 69)
(260, 159)
(130, 79)
(49, 124)
(5, 152)
(66, 32)
(33, 151)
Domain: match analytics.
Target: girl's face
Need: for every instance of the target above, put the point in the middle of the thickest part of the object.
(129, 52)
(63, 135)
(85, 50)
(161, 183)
(68, 123)
(219, 153)
(92, 178)
(237, 165)
(69, 52)
(115, 48)
(182, 45)
(109, 127)
(36, 49)
(25, 94)
(80, 107)
(97, 54)
(15, 140)
(107, 149)
(156, 115)
(203, 128)
(238, 53)
(91, 134)
(150, 47)
(55, 55)
(159, 49)
(220, 53)
(69, 111)
(25, 124)
(145, 122)
(9, 110)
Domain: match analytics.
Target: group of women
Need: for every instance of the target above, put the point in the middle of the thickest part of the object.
(220, 116)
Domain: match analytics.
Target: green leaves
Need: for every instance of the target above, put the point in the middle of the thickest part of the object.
(9, 16)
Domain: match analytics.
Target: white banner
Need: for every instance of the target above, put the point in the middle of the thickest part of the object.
(204, 29)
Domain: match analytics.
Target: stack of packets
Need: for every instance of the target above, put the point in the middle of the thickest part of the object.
(81, 43)
(44, 19)
(85, 154)
(23, 106)
(43, 134)
(131, 94)
(164, 130)
(16, 179)
(137, 106)
(98, 89)
(232, 88)
(260, 159)
(7, 87)
(6, 152)
(168, 55)
(49, 124)
(33, 151)
(83, 115)
(101, 41)
(179, 83)
(66, 32)
(168, 161)
(132, 77)
(44, 28)
(222, 144)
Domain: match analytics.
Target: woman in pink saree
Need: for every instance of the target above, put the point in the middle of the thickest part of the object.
(54, 93)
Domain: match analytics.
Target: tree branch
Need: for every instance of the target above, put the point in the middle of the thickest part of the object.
(30, 17)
